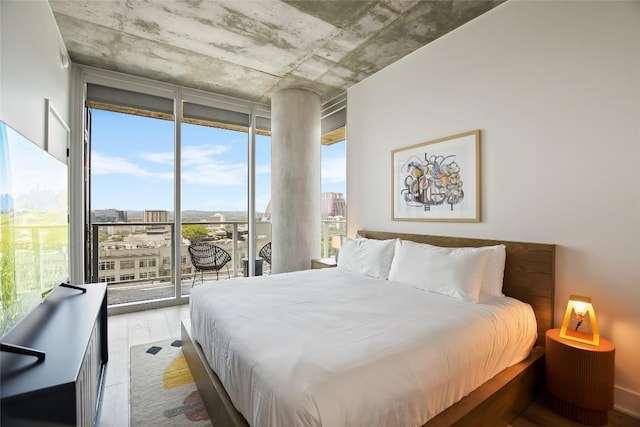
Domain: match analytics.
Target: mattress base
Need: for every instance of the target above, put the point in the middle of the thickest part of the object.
(495, 403)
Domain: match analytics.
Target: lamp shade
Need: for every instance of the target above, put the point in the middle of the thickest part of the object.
(335, 242)
(582, 308)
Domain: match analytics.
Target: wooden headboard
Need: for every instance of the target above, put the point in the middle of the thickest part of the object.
(529, 273)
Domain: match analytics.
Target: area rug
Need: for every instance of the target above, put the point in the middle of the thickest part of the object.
(162, 391)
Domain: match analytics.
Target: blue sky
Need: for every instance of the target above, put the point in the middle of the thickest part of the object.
(133, 157)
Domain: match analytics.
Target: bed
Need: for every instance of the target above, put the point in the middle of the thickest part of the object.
(528, 277)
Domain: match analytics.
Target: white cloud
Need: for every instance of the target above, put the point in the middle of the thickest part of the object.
(163, 158)
(334, 170)
(200, 166)
(191, 155)
(215, 174)
(201, 154)
(103, 165)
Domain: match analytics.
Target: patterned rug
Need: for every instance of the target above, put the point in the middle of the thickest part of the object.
(162, 391)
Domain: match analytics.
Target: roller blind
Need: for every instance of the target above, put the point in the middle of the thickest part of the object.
(263, 123)
(213, 114)
(334, 114)
(333, 121)
(128, 99)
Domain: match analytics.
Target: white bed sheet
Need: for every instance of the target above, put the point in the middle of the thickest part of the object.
(331, 348)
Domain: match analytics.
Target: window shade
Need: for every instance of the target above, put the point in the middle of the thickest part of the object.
(334, 121)
(129, 99)
(263, 123)
(212, 114)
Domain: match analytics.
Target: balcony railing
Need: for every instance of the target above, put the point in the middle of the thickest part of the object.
(136, 258)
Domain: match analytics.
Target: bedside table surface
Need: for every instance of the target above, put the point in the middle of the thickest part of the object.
(323, 263)
(604, 345)
(326, 260)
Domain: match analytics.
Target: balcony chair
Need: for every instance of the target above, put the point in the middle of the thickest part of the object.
(208, 257)
(265, 253)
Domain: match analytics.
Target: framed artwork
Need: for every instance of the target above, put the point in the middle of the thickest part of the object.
(437, 180)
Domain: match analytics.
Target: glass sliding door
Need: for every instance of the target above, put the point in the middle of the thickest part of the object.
(132, 182)
(214, 181)
(167, 168)
(333, 202)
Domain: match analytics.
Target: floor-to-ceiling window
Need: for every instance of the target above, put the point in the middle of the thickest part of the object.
(132, 188)
(216, 171)
(333, 203)
(161, 178)
(333, 192)
(214, 195)
(168, 167)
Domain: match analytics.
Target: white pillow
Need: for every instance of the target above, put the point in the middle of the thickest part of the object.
(494, 272)
(455, 272)
(493, 276)
(369, 257)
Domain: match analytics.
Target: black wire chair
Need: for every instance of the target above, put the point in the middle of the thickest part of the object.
(208, 257)
(265, 253)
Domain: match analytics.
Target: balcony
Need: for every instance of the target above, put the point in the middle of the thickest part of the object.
(136, 259)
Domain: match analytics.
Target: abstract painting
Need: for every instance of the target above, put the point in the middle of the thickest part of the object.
(437, 180)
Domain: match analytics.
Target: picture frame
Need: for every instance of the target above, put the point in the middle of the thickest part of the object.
(437, 180)
(56, 133)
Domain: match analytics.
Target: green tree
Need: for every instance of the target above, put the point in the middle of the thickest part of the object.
(194, 232)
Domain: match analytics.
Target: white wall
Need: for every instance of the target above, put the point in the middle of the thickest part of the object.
(30, 70)
(555, 89)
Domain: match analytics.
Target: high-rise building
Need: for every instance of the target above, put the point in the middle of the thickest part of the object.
(332, 205)
(108, 215)
(155, 216)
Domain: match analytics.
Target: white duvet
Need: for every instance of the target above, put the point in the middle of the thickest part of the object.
(332, 348)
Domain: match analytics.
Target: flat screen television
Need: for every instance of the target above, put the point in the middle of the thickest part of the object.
(34, 226)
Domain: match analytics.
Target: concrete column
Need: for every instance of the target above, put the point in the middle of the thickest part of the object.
(295, 179)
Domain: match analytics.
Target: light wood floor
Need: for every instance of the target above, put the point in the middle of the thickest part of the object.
(143, 327)
(126, 330)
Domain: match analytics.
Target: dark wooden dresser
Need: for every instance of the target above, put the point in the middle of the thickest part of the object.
(65, 388)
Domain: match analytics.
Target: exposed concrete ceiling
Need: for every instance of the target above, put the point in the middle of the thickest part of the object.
(249, 49)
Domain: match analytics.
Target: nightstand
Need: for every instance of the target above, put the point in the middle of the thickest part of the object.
(323, 263)
(580, 378)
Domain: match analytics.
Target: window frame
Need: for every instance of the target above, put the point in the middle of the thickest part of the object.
(259, 114)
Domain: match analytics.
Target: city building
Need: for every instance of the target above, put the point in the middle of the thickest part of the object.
(108, 215)
(151, 216)
(333, 205)
(155, 216)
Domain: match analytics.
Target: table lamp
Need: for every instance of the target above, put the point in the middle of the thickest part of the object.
(582, 307)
